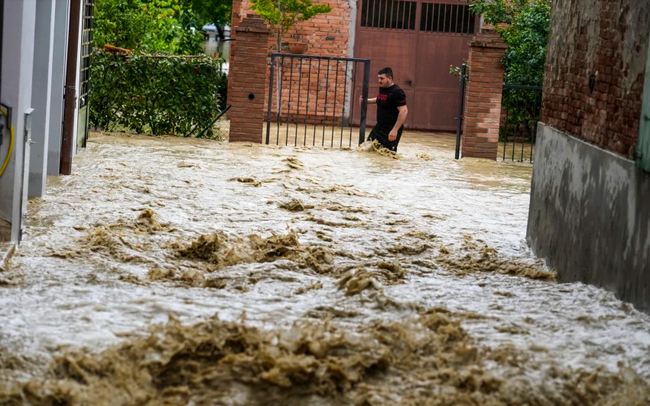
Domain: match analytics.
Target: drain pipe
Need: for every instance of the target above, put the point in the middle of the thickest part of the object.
(70, 96)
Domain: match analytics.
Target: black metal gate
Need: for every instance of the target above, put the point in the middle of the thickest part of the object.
(521, 107)
(520, 111)
(461, 107)
(310, 100)
(87, 28)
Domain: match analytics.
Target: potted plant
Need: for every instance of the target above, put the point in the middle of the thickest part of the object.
(281, 15)
(297, 44)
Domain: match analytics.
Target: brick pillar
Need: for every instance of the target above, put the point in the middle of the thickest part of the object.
(483, 99)
(235, 19)
(247, 80)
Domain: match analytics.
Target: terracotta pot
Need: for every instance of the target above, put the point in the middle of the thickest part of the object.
(297, 47)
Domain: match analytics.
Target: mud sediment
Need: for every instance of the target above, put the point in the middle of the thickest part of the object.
(337, 307)
(424, 360)
(222, 250)
(376, 147)
(295, 205)
(249, 180)
(476, 256)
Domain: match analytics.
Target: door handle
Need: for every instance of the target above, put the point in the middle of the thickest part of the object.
(409, 82)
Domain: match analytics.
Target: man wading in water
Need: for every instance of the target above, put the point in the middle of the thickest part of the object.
(391, 111)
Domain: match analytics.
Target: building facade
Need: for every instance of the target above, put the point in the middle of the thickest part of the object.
(589, 215)
(35, 73)
(419, 39)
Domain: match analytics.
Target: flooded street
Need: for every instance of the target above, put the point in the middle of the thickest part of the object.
(188, 272)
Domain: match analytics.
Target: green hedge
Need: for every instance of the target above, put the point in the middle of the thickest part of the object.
(157, 95)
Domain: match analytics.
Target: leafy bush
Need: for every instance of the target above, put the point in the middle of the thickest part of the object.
(524, 27)
(161, 95)
(152, 26)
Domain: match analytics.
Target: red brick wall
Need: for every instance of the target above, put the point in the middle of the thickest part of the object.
(308, 94)
(304, 96)
(606, 39)
(236, 18)
(327, 34)
(248, 79)
(483, 96)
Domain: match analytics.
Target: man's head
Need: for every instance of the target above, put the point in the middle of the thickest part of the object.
(386, 77)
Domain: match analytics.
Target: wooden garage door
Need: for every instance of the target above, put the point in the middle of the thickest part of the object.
(419, 40)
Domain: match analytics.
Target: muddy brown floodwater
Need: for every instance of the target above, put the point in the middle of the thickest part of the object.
(188, 272)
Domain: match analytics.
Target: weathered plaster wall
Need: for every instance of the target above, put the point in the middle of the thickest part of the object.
(589, 216)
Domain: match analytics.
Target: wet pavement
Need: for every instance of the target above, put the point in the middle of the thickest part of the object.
(417, 256)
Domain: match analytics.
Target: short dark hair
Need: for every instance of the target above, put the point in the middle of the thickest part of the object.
(386, 71)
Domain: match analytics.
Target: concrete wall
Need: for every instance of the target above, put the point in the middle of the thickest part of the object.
(41, 95)
(17, 65)
(589, 216)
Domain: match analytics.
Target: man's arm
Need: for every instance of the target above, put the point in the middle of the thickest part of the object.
(401, 118)
(370, 101)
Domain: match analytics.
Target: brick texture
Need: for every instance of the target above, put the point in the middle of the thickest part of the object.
(310, 92)
(483, 96)
(248, 79)
(607, 41)
(326, 34)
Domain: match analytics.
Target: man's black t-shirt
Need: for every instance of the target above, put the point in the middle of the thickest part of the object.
(388, 100)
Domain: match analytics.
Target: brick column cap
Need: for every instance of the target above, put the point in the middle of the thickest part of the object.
(488, 39)
(252, 23)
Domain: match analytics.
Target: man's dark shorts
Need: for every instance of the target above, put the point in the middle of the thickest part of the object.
(382, 137)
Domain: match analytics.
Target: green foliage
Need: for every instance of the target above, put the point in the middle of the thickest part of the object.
(456, 70)
(217, 12)
(524, 27)
(152, 26)
(169, 95)
(526, 37)
(497, 11)
(522, 108)
(283, 14)
(190, 40)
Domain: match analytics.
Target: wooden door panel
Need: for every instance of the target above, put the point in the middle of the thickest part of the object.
(419, 43)
(375, 48)
(436, 91)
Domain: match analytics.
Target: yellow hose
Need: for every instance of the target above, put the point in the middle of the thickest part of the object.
(11, 144)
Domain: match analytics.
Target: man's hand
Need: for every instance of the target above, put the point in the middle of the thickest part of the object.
(392, 136)
(360, 100)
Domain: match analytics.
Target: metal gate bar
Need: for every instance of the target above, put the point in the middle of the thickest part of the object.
(518, 128)
(320, 109)
(461, 104)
